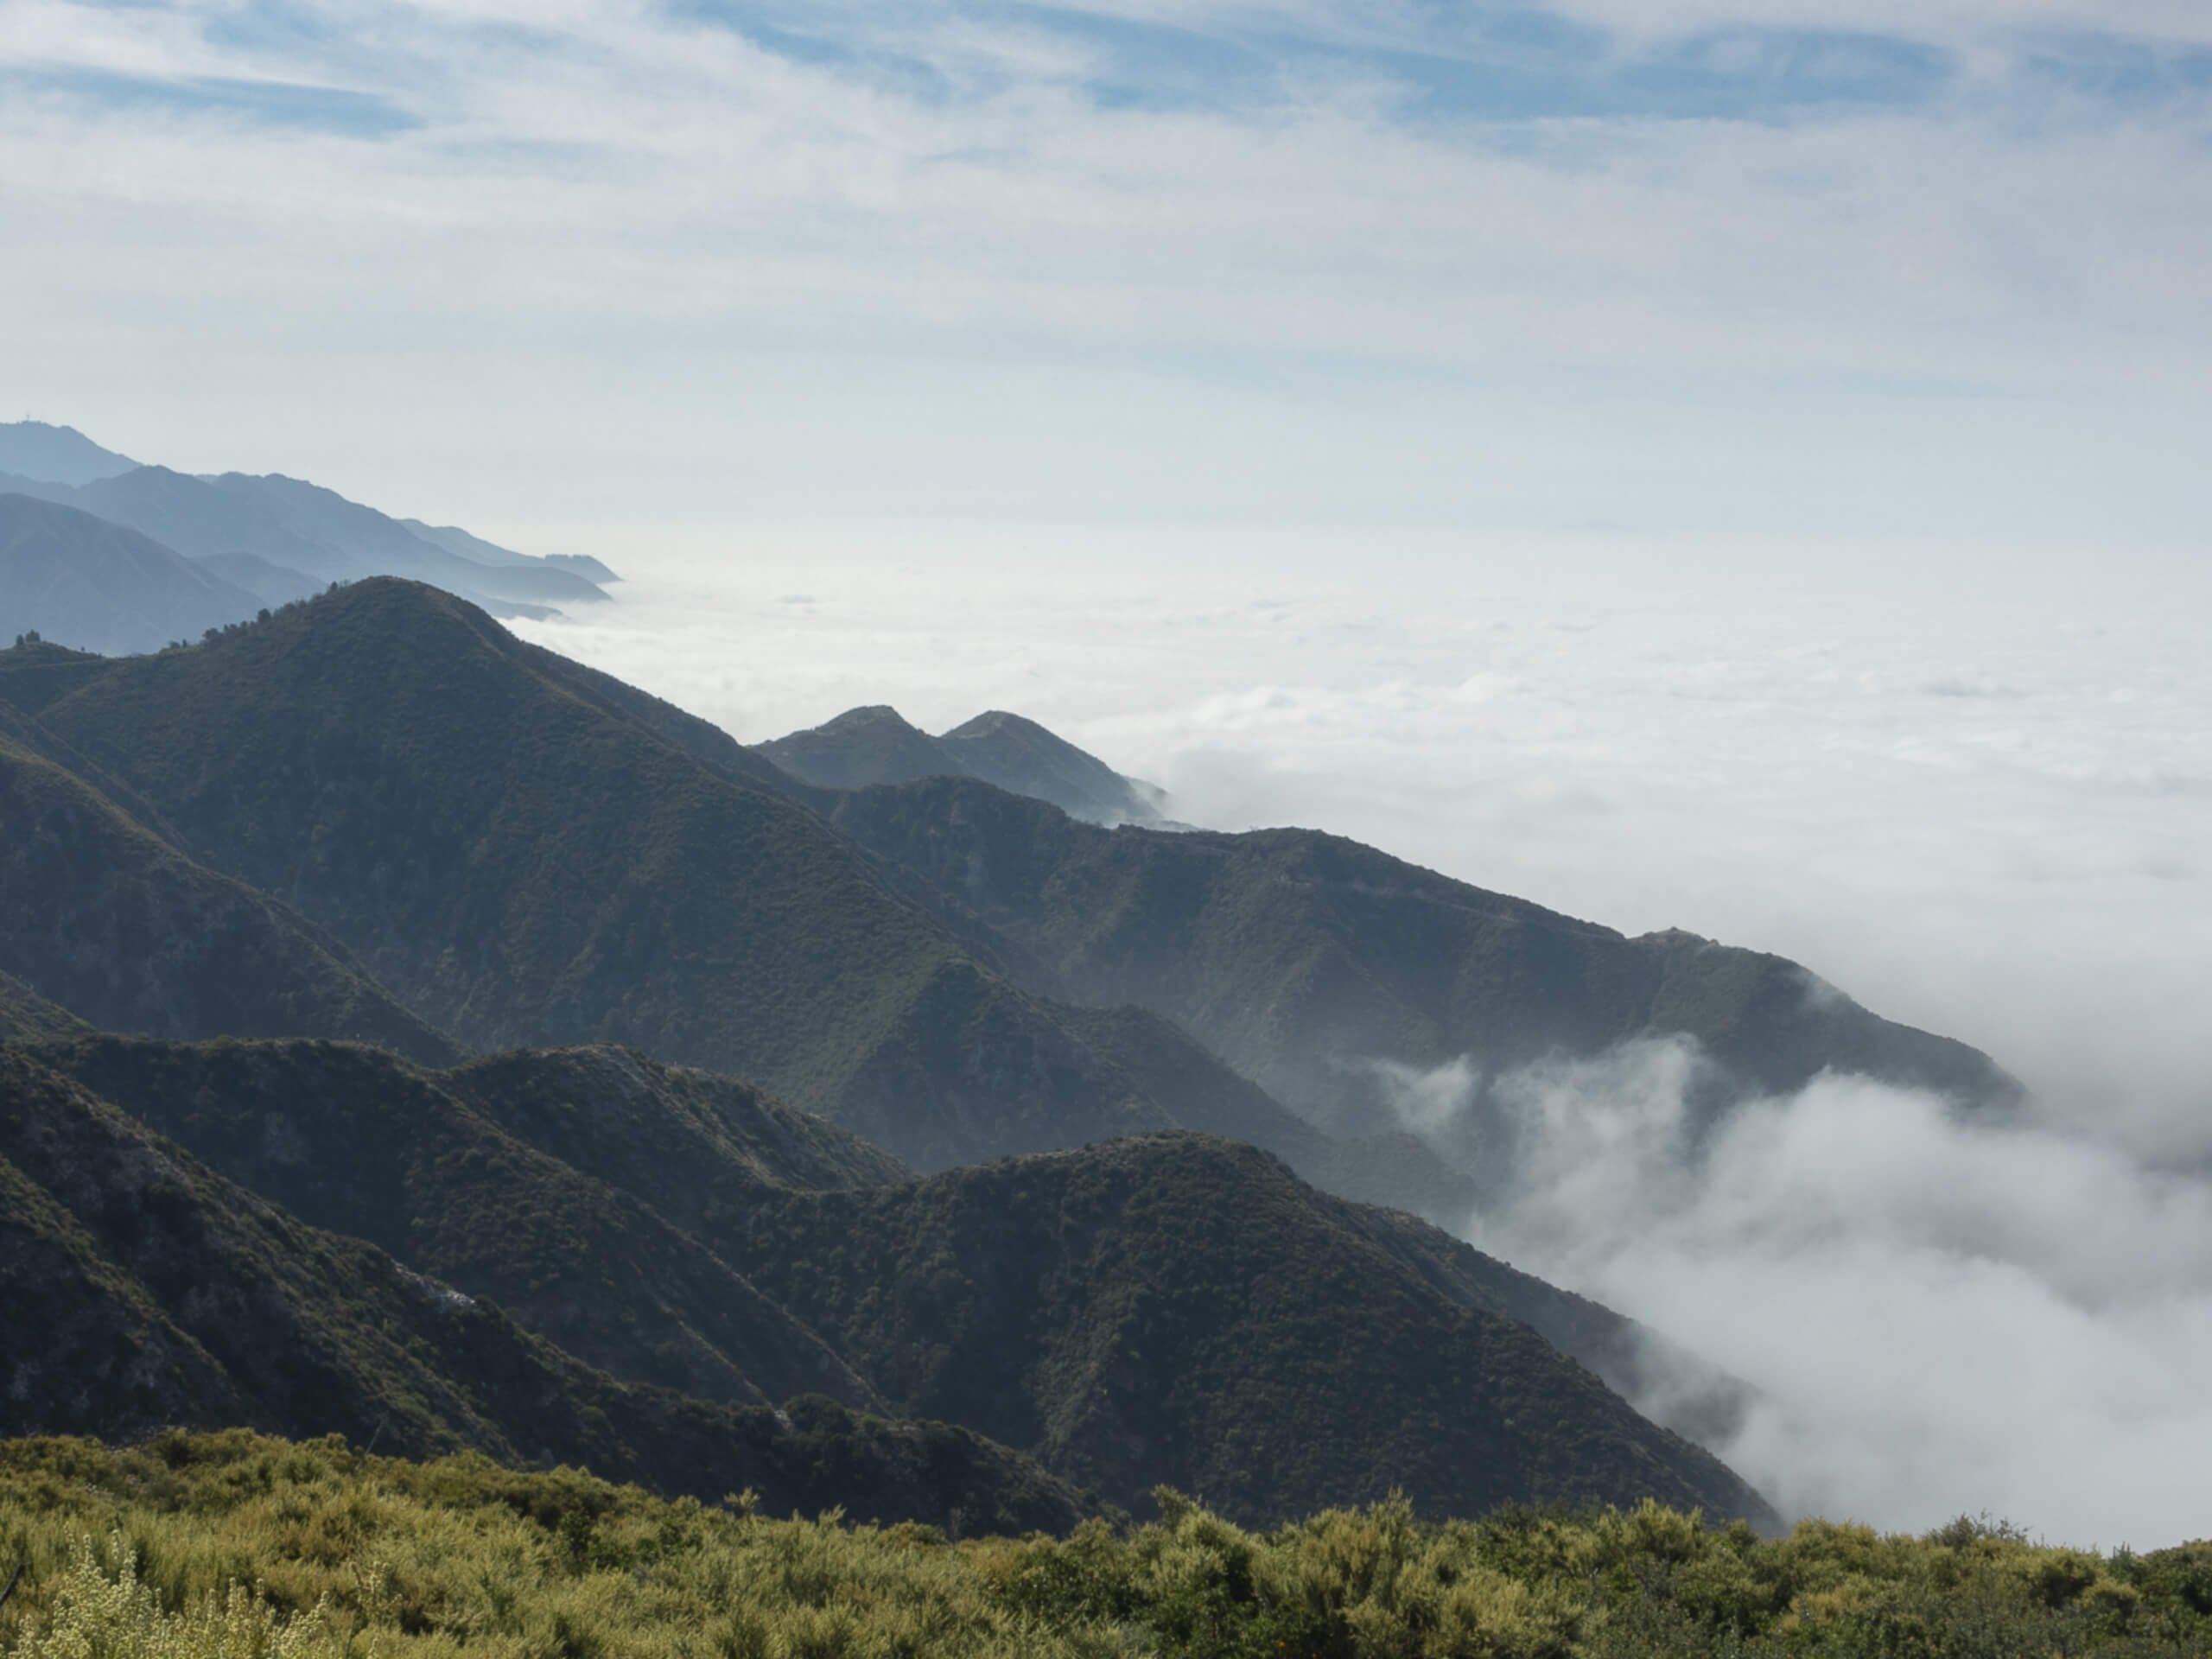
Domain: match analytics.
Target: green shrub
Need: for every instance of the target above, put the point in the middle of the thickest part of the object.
(233, 1545)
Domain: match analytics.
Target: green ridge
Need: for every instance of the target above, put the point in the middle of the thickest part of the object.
(1177, 1308)
(100, 915)
(185, 1299)
(355, 1141)
(1300, 956)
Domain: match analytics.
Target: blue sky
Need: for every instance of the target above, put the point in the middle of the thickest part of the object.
(1735, 264)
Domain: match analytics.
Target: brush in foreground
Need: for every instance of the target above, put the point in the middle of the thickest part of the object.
(234, 1546)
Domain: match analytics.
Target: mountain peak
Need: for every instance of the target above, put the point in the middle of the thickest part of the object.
(990, 720)
(872, 744)
(867, 717)
(1020, 756)
(875, 744)
(56, 455)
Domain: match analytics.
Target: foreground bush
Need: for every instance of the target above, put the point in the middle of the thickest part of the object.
(237, 1547)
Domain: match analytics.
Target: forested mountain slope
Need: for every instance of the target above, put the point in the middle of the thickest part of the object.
(1179, 1308)
(1302, 958)
(1018, 755)
(355, 1141)
(391, 763)
(876, 744)
(163, 1295)
(99, 914)
(1171, 1309)
(693, 1142)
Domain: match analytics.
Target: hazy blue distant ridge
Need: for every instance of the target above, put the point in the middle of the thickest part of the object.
(266, 539)
(56, 455)
(81, 581)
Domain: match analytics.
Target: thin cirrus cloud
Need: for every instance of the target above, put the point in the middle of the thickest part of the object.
(261, 103)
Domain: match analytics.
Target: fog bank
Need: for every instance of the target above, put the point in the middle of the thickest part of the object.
(1937, 1317)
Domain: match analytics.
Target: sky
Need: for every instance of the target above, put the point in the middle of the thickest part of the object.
(1726, 464)
(1705, 266)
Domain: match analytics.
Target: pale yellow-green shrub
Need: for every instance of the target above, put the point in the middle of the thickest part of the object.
(102, 1609)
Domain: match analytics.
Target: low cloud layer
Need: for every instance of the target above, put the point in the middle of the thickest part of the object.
(1937, 1317)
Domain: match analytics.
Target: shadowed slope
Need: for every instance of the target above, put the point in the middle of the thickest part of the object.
(27, 1017)
(1018, 754)
(357, 1142)
(1302, 958)
(1199, 1091)
(1179, 1309)
(697, 1146)
(169, 1295)
(100, 915)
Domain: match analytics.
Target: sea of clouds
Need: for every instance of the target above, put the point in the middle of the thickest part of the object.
(1972, 789)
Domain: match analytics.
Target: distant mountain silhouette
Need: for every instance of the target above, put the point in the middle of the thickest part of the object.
(55, 455)
(583, 564)
(279, 539)
(81, 580)
(459, 542)
(876, 744)
(272, 584)
(357, 541)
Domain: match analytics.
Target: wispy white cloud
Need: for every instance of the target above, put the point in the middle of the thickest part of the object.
(1239, 203)
(1938, 1317)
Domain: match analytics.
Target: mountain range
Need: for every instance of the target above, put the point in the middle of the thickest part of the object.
(408, 1033)
(209, 551)
(876, 744)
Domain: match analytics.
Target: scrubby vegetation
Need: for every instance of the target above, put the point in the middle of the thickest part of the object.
(237, 1547)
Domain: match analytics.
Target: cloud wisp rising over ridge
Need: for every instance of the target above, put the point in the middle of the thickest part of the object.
(1936, 1315)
